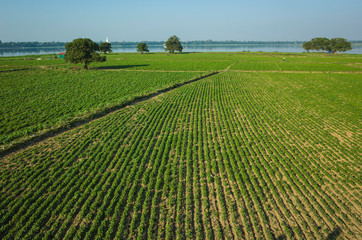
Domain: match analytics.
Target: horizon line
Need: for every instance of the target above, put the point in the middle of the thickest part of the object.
(209, 40)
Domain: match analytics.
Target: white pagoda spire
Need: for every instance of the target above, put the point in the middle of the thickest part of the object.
(107, 41)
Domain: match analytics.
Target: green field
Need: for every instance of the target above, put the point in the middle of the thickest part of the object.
(263, 149)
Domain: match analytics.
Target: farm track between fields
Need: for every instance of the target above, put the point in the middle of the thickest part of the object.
(281, 71)
(145, 70)
(194, 60)
(14, 70)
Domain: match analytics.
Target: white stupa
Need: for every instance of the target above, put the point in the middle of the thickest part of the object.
(107, 41)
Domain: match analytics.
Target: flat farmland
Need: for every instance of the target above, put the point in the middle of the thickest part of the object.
(40, 99)
(296, 66)
(257, 153)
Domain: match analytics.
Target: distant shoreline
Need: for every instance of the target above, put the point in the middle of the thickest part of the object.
(188, 47)
(118, 44)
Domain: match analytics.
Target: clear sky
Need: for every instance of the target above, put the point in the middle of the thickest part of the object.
(156, 20)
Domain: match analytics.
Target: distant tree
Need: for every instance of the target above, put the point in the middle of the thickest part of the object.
(324, 44)
(340, 45)
(82, 50)
(105, 47)
(142, 47)
(173, 44)
(307, 46)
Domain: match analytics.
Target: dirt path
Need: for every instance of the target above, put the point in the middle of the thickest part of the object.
(277, 71)
(144, 70)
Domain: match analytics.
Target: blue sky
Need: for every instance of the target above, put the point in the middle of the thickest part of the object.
(140, 20)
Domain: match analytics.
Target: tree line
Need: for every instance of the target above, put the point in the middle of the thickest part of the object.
(208, 42)
(84, 50)
(333, 45)
(11, 45)
(172, 44)
(14, 45)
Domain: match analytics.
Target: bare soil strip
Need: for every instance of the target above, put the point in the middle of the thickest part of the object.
(144, 70)
(277, 71)
(178, 60)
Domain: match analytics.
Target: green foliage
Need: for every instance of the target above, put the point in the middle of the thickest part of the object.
(173, 44)
(105, 47)
(142, 47)
(319, 44)
(82, 50)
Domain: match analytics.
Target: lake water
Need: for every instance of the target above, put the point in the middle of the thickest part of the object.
(222, 48)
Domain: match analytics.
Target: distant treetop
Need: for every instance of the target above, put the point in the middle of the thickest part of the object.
(83, 50)
(173, 44)
(105, 47)
(142, 47)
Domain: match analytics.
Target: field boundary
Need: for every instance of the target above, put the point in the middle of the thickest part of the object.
(280, 71)
(191, 60)
(145, 70)
(44, 134)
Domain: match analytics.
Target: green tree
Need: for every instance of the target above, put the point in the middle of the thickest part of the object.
(82, 50)
(142, 47)
(105, 47)
(340, 45)
(173, 44)
(307, 46)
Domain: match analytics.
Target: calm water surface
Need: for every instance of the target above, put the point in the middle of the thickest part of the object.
(235, 48)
